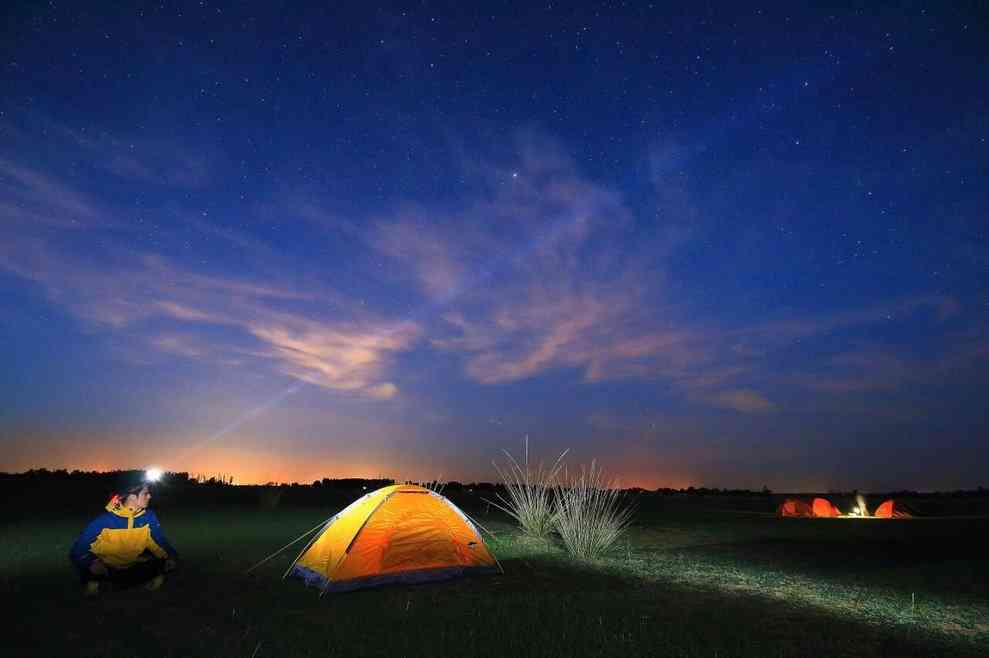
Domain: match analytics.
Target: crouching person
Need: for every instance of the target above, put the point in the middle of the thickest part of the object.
(125, 545)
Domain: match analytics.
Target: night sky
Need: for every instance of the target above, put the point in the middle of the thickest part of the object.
(726, 245)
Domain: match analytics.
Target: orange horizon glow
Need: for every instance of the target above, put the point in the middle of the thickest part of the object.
(254, 463)
(253, 477)
(259, 469)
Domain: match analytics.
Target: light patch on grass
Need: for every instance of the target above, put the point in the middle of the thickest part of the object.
(880, 606)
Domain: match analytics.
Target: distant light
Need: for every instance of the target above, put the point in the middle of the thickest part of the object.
(152, 474)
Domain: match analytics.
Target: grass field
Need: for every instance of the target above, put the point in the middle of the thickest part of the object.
(692, 579)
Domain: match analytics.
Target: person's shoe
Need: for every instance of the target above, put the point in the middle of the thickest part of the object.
(155, 583)
(92, 588)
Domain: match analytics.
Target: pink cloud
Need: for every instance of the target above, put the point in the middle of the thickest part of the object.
(340, 358)
(180, 345)
(534, 274)
(182, 312)
(438, 262)
(562, 294)
(744, 401)
(124, 293)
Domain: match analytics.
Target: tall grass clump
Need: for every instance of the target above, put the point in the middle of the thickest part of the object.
(591, 513)
(528, 494)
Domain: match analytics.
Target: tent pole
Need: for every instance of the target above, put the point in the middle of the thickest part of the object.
(471, 519)
(491, 534)
(299, 538)
(310, 543)
(474, 521)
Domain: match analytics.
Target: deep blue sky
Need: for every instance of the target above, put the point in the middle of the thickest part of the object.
(719, 245)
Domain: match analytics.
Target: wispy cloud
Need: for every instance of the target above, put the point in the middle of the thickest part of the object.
(180, 345)
(181, 312)
(440, 262)
(137, 158)
(218, 319)
(32, 198)
(538, 275)
(540, 269)
(862, 371)
(303, 327)
(549, 327)
(743, 400)
(788, 329)
(341, 358)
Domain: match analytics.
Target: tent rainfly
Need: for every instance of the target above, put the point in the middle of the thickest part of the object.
(892, 509)
(794, 508)
(824, 508)
(398, 534)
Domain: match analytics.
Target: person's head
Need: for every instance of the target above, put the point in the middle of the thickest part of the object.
(137, 498)
(133, 492)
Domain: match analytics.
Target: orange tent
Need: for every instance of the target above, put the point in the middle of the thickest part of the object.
(891, 509)
(398, 534)
(823, 508)
(791, 507)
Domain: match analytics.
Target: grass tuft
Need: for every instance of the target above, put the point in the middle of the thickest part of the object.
(529, 492)
(591, 513)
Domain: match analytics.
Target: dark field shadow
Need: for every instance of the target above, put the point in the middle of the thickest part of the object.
(837, 557)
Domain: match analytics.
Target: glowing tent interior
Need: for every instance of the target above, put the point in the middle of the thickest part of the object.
(824, 508)
(792, 507)
(818, 508)
(892, 509)
(398, 534)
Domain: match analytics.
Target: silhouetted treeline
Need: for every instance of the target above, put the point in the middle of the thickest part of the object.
(180, 479)
(350, 483)
(111, 478)
(710, 491)
(82, 494)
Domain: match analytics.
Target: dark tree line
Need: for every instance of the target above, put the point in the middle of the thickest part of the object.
(183, 479)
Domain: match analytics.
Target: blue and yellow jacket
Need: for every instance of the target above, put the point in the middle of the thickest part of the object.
(119, 536)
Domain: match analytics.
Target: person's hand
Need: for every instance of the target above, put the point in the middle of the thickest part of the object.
(97, 568)
(170, 565)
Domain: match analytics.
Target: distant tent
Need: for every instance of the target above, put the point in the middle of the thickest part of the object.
(823, 508)
(792, 507)
(398, 534)
(893, 509)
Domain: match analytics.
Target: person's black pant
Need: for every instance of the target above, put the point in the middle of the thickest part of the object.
(134, 575)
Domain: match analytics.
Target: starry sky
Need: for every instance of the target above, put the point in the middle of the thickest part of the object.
(724, 244)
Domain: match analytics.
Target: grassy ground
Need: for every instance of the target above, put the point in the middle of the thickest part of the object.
(690, 581)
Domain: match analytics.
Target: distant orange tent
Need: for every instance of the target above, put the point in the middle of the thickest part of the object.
(892, 509)
(794, 508)
(824, 508)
